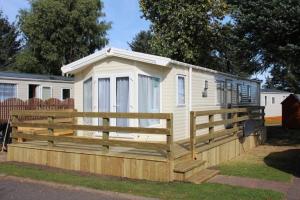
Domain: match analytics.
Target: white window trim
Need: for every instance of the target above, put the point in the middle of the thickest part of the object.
(61, 92)
(41, 91)
(177, 97)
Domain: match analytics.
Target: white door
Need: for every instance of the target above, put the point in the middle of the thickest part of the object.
(114, 95)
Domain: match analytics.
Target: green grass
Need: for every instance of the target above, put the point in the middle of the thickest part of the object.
(254, 170)
(205, 191)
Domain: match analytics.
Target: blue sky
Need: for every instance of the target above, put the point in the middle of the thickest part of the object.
(125, 16)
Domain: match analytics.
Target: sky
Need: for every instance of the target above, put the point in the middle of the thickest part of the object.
(125, 16)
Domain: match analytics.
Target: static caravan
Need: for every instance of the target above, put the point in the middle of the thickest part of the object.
(116, 80)
(271, 99)
(25, 86)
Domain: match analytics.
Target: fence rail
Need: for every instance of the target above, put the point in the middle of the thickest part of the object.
(51, 125)
(9, 105)
(234, 117)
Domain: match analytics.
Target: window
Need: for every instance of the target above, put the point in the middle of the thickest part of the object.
(149, 98)
(87, 99)
(65, 93)
(273, 100)
(249, 93)
(46, 93)
(266, 100)
(220, 92)
(7, 91)
(180, 90)
(228, 92)
(239, 93)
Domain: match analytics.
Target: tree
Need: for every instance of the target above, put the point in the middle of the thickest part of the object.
(9, 42)
(58, 32)
(142, 42)
(185, 30)
(271, 31)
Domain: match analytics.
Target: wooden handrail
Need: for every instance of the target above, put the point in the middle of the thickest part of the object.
(46, 113)
(253, 112)
(51, 125)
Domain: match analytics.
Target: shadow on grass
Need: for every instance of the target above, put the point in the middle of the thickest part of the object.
(279, 136)
(287, 161)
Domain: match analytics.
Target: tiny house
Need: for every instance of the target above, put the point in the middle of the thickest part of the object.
(25, 86)
(116, 80)
(291, 112)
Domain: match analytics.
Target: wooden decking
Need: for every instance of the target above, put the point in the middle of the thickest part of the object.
(185, 160)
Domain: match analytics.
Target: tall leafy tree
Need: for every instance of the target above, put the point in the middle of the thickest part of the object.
(142, 42)
(186, 30)
(270, 30)
(58, 32)
(9, 42)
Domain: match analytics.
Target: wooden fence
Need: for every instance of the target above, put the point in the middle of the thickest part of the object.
(51, 125)
(8, 105)
(234, 118)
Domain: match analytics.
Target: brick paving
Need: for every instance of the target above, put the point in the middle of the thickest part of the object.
(291, 190)
(251, 183)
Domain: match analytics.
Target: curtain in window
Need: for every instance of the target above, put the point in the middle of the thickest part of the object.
(181, 91)
(46, 93)
(87, 99)
(149, 98)
(7, 91)
(103, 96)
(122, 99)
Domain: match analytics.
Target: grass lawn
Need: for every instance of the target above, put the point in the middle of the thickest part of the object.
(143, 188)
(254, 170)
(278, 160)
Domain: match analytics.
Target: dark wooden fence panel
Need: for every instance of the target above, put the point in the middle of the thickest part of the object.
(8, 105)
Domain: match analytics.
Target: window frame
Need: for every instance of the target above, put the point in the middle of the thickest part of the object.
(223, 92)
(16, 88)
(177, 90)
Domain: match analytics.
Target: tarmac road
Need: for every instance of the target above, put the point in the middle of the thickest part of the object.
(12, 188)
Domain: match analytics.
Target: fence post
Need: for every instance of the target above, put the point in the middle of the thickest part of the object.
(235, 121)
(211, 128)
(50, 131)
(15, 129)
(105, 134)
(193, 134)
(263, 115)
(170, 142)
(74, 121)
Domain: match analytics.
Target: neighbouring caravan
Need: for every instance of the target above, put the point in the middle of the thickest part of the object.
(116, 80)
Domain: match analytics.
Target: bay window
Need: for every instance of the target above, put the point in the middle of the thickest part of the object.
(148, 98)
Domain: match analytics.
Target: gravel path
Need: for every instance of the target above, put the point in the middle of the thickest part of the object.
(13, 188)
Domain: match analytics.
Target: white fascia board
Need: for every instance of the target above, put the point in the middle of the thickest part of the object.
(114, 52)
(211, 71)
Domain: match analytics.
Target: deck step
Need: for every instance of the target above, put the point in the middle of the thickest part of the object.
(188, 165)
(202, 176)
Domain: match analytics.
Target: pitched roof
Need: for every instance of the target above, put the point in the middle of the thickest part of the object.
(27, 76)
(295, 96)
(273, 91)
(136, 56)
